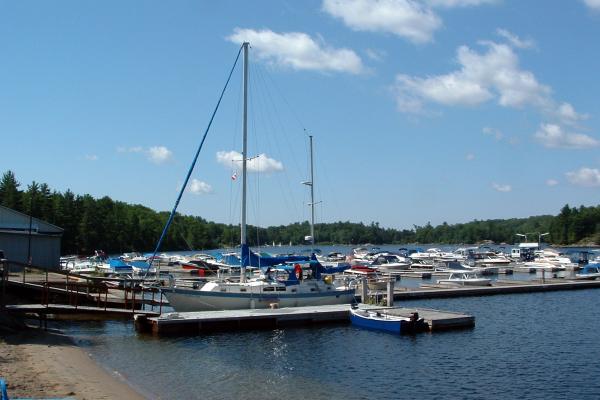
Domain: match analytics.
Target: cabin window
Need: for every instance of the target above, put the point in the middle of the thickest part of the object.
(293, 290)
(242, 289)
(280, 289)
(328, 287)
(268, 289)
(312, 289)
(223, 290)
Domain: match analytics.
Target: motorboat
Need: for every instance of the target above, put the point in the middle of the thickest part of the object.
(589, 272)
(435, 254)
(382, 320)
(206, 263)
(489, 258)
(375, 281)
(551, 256)
(464, 279)
(331, 257)
(389, 261)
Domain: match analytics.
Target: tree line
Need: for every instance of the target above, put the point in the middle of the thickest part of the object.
(114, 226)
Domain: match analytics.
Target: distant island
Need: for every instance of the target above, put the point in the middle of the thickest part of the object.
(116, 227)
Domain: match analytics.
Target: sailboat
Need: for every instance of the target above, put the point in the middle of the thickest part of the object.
(277, 287)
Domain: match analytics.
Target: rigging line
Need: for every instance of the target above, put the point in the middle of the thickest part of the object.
(287, 103)
(274, 139)
(187, 178)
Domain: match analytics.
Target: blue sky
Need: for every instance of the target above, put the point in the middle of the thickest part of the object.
(434, 110)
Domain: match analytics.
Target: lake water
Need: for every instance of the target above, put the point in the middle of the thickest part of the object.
(533, 346)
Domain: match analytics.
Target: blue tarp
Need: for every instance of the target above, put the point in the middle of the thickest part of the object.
(249, 258)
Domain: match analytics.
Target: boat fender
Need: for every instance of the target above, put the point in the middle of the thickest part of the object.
(298, 270)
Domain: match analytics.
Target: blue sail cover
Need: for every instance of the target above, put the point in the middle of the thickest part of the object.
(249, 258)
(119, 265)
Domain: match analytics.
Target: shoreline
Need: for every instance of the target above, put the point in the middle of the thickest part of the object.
(36, 363)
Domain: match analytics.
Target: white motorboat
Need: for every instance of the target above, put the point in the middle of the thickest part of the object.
(392, 262)
(551, 256)
(435, 254)
(464, 279)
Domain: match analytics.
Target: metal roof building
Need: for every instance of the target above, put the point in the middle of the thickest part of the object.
(21, 236)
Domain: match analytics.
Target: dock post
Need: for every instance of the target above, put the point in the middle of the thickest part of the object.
(390, 293)
(364, 291)
(4, 265)
(543, 275)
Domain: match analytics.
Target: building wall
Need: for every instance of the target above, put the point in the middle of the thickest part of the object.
(45, 249)
(14, 239)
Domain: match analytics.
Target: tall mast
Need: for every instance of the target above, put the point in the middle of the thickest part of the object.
(312, 197)
(243, 240)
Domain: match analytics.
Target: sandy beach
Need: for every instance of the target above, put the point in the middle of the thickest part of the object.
(36, 364)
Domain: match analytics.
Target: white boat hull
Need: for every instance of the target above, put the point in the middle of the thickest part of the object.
(184, 300)
(465, 282)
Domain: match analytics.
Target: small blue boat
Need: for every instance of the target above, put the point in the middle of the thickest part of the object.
(381, 321)
(589, 272)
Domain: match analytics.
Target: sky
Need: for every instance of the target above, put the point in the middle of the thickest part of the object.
(421, 111)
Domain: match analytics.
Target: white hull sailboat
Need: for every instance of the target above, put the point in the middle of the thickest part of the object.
(263, 292)
(256, 294)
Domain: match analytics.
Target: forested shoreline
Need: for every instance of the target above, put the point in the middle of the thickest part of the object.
(115, 226)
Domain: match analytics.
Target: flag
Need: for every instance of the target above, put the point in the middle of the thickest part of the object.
(234, 176)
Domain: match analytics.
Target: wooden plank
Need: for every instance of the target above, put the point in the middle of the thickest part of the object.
(69, 309)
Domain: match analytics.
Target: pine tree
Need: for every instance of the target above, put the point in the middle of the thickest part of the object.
(10, 195)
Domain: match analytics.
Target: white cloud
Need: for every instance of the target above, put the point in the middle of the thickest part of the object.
(299, 51)
(376, 55)
(470, 157)
(199, 187)
(159, 154)
(499, 136)
(588, 177)
(260, 163)
(553, 136)
(408, 19)
(155, 154)
(567, 114)
(501, 188)
(551, 182)
(514, 40)
(91, 157)
(482, 76)
(459, 3)
(593, 4)
(136, 149)
(495, 133)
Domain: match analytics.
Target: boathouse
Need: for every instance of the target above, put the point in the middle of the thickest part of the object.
(23, 237)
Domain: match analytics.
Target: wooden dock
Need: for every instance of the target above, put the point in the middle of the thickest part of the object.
(205, 321)
(499, 287)
(82, 312)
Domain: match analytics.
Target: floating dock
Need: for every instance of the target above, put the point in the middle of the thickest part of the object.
(190, 323)
(499, 287)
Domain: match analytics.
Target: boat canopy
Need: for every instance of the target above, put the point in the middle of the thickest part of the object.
(249, 258)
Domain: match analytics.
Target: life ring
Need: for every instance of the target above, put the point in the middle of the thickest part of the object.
(298, 270)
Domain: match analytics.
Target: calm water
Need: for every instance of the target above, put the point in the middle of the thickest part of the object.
(534, 346)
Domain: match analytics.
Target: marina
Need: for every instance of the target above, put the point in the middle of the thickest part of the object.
(542, 337)
(323, 200)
